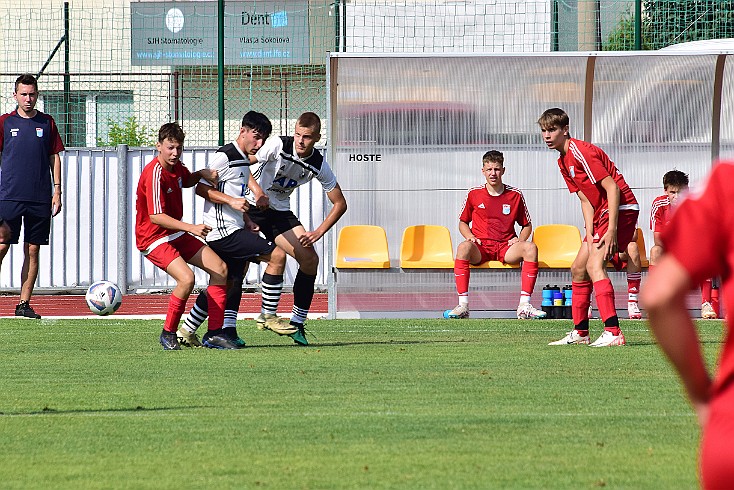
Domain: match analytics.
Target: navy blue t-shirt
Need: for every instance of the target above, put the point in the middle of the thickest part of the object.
(26, 145)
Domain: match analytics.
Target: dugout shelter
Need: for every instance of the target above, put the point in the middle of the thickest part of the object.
(408, 132)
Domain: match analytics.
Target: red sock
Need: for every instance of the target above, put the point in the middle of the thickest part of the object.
(529, 275)
(176, 308)
(633, 285)
(461, 275)
(605, 299)
(706, 291)
(216, 296)
(581, 292)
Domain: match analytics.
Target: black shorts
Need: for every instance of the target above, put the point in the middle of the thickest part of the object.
(240, 247)
(273, 223)
(35, 219)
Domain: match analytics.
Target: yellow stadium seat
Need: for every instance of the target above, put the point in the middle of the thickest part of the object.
(362, 247)
(557, 245)
(426, 247)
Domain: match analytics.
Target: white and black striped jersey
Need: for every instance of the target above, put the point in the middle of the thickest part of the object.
(233, 167)
(279, 171)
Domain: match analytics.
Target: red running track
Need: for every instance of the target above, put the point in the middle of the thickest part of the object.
(143, 304)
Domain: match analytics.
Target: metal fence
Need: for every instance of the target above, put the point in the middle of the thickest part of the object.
(93, 237)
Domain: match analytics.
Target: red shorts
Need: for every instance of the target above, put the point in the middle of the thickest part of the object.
(626, 227)
(492, 250)
(184, 246)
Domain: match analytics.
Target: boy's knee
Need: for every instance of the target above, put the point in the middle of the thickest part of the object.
(308, 260)
(463, 251)
(530, 252)
(188, 282)
(277, 256)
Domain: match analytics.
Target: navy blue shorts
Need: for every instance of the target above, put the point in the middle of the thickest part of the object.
(273, 223)
(34, 218)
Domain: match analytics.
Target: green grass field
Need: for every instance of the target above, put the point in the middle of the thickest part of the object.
(371, 404)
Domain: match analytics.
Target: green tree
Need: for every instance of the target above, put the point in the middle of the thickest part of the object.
(128, 133)
(622, 37)
(678, 21)
(667, 22)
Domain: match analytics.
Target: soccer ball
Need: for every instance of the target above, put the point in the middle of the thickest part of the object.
(103, 298)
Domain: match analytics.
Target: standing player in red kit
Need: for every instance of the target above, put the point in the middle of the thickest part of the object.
(487, 222)
(170, 243)
(610, 213)
(695, 250)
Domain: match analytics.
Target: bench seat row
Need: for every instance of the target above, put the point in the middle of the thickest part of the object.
(430, 247)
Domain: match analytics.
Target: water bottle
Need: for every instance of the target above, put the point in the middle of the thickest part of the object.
(557, 303)
(547, 304)
(567, 302)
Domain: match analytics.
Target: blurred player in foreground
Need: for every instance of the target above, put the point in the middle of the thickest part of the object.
(487, 223)
(695, 250)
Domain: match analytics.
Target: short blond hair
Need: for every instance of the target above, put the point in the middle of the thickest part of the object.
(553, 118)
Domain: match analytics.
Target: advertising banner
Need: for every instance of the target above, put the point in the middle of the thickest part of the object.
(185, 33)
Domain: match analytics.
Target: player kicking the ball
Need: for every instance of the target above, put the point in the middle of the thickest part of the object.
(487, 222)
(610, 213)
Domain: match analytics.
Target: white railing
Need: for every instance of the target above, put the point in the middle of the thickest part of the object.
(93, 237)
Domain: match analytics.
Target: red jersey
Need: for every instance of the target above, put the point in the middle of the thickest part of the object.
(494, 217)
(660, 214)
(707, 250)
(584, 166)
(159, 191)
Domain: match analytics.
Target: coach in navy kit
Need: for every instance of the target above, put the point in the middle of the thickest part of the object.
(30, 182)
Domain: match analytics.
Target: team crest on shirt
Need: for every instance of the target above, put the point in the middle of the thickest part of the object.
(572, 171)
(14, 132)
(505, 209)
(180, 182)
(39, 132)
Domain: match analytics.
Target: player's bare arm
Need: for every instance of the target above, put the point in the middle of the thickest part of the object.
(465, 231)
(170, 223)
(55, 162)
(587, 211)
(212, 195)
(262, 201)
(609, 240)
(657, 239)
(211, 176)
(664, 299)
(338, 208)
(525, 232)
